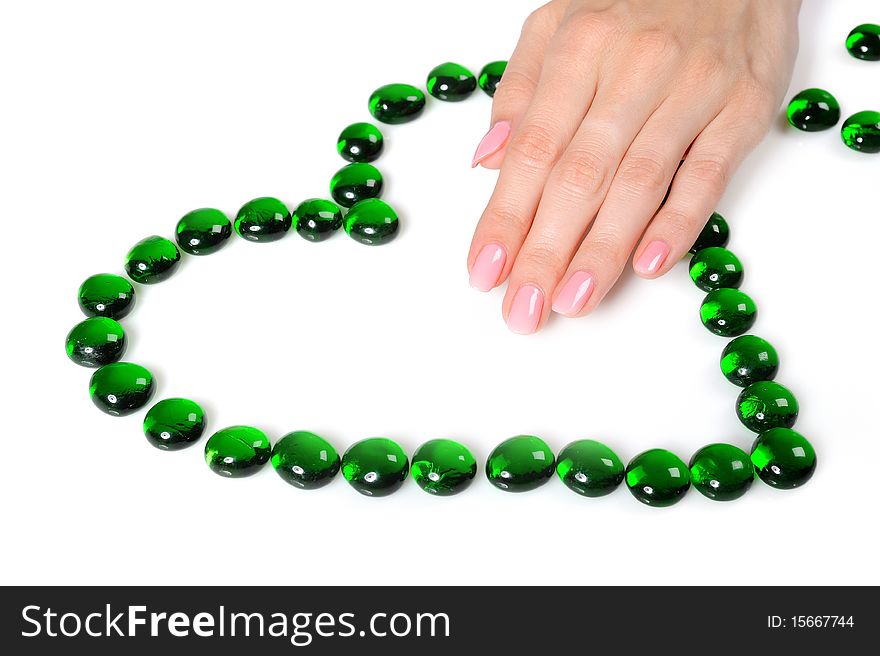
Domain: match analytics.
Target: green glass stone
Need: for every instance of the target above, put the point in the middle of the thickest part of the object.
(451, 82)
(237, 451)
(520, 464)
(490, 76)
(203, 231)
(173, 424)
(783, 458)
(152, 260)
(863, 42)
(748, 359)
(443, 467)
(317, 219)
(765, 405)
(360, 142)
(106, 295)
(355, 182)
(813, 110)
(728, 312)
(861, 132)
(375, 467)
(305, 460)
(371, 222)
(263, 220)
(95, 342)
(716, 232)
(658, 478)
(396, 103)
(121, 388)
(714, 268)
(589, 468)
(722, 472)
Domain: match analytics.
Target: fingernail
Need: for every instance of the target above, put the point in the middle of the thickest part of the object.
(575, 294)
(487, 267)
(525, 311)
(494, 140)
(652, 258)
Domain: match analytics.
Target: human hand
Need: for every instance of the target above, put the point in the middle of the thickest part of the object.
(601, 101)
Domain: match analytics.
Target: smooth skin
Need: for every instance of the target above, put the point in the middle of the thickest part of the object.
(603, 106)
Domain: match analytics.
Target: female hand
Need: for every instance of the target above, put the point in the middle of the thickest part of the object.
(602, 100)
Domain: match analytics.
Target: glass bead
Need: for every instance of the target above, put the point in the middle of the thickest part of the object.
(748, 359)
(716, 232)
(783, 458)
(396, 103)
(360, 142)
(174, 424)
(589, 468)
(95, 342)
(375, 467)
(714, 268)
(728, 312)
(203, 231)
(863, 42)
(106, 295)
(658, 478)
(371, 222)
(765, 405)
(121, 388)
(443, 467)
(356, 182)
(237, 451)
(520, 464)
(305, 460)
(263, 220)
(152, 260)
(490, 76)
(317, 219)
(451, 82)
(813, 110)
(722, 472)
(861, 132)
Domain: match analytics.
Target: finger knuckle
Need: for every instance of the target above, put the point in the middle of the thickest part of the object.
(705, 65)
(604, 250)
(539, 257)
(678, 225)
(655, 45)
(583, 173)
(712, 171)
(502, 219)
(517, 86)
(644, 172)
(535, 147)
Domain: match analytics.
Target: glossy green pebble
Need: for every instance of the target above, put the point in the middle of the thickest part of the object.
(443, 467)
(748, 359)
(520, 464)
(589, 468)
(451, 82)
(490, 76)
(203, 231)
(262, 220)
(237, 451)
(106, 295)
(396, 103)
(716, 232)
(355, 182)
(861, 132)
(375, 467)
(317, 219)
(658, 478)
(783, 458)
(863, 42)
(121, 388)
(95, 342)
(728, 312)
(371, 222)
(152, 260)
(716, 267)
(765, 405)
(722, 472)
(173, 424)
(305, 460)
(813, 110)
(360, 142)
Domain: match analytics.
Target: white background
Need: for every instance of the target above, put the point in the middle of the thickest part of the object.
(117, 118)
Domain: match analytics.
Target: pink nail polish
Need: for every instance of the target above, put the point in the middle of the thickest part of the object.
(487, 267)
(652, 258)
(525, 311)
(494, 140)
(575, 294)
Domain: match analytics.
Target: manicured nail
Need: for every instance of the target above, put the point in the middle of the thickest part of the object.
(494, 140)
(487, 267)
(652, 258)
(575, 294)
(525, 311)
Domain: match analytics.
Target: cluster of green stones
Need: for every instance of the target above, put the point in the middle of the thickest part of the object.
(378, 466)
